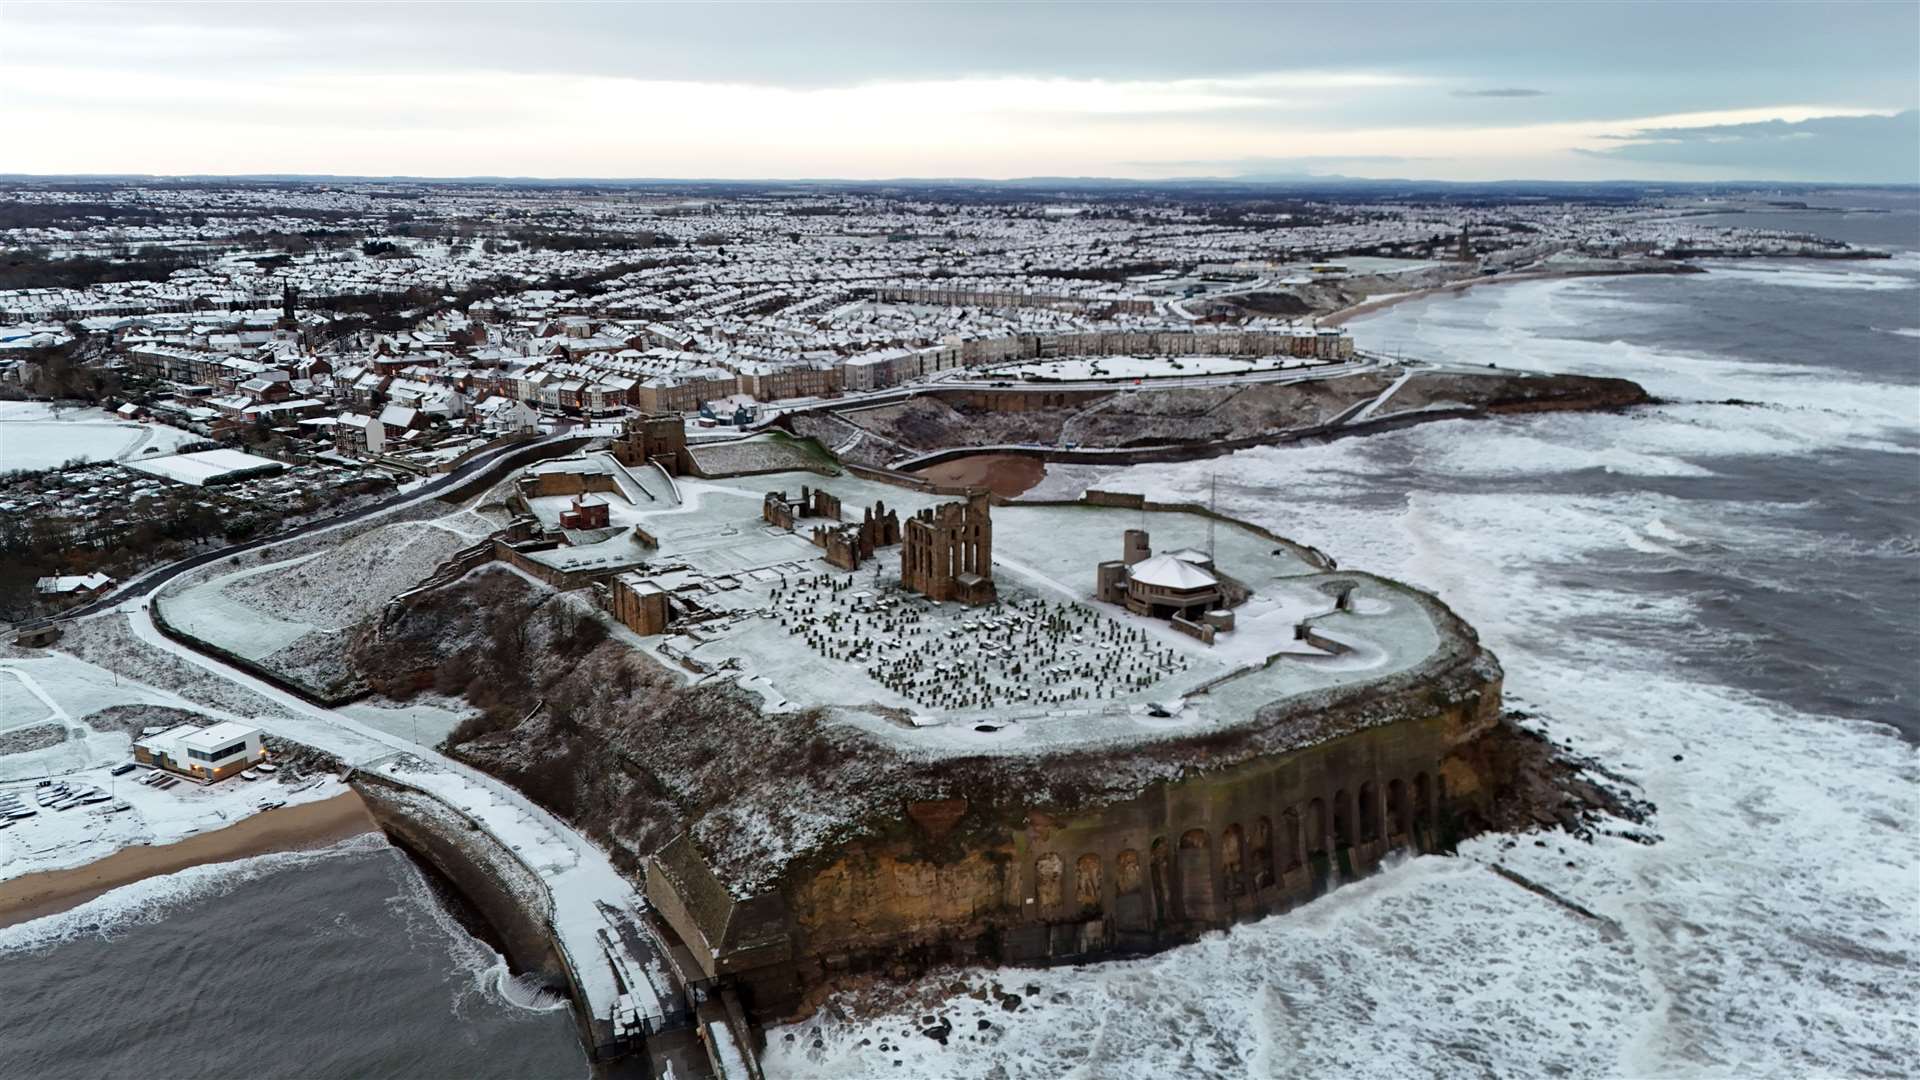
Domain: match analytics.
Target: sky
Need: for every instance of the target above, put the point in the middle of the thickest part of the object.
(1825, 92)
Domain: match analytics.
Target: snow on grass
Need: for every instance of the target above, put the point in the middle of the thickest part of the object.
(33, 436)
(216, 610)
(347, 582)
(425, 719)
(19, 706)
(107, 642)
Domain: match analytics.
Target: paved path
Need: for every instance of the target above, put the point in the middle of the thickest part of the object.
(1374, 405)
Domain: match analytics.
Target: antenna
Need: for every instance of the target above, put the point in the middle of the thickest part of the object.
(1213, 493)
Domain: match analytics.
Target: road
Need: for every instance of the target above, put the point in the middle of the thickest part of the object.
(149, 580)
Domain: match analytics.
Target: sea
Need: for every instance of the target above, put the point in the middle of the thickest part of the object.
(344, 962)
(1717, 598)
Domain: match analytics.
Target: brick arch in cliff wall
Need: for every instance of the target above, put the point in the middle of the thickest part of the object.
(1398, 822)
(1161, 870)
(1130, 905)
(1260, 854)
(1342, 819)
(1368, 812)
(1048, 890)
(1233, 870)
(1087, 883)
(1292, 853)
(1316, 827)
(1195, 872)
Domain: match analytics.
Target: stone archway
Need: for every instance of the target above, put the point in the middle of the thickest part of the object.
(1233, 871)
(1195, 870)
(1086, 883)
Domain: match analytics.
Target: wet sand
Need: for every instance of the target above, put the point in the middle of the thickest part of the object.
(286, 828)
(1006, 475)
(1368, 307)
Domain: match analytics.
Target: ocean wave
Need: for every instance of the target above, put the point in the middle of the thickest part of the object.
(479, 970)
(1804, 276)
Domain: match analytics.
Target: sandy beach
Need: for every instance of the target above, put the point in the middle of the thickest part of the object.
(1368, 307)
(286, 828)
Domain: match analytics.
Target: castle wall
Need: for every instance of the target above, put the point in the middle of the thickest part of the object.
(537, 485)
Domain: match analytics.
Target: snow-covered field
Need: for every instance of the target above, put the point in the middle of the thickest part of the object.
(255, 611)
(426, 719)
(35, 436)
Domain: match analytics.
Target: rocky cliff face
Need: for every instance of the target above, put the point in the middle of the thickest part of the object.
(1016, 880)
(1224, 418)
(605, 737)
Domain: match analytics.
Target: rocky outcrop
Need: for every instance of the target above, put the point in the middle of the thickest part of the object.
(1198, 422)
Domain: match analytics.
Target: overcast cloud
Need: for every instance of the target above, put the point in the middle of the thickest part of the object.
(1457, 91)
(1883, 148)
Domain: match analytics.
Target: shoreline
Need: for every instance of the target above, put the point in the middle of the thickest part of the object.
(317, 824)
(1370, 307)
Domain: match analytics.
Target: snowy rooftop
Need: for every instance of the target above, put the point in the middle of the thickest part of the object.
(206, 466)
(1171, 572)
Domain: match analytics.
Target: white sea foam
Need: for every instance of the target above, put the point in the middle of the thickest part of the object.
(1837, 275)
(480, 971)
(149, 901)
(1768, 932)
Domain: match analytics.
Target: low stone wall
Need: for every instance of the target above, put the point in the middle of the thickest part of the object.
(506, 463)
(559, 579)
(1128, 500)
(501, 888)
(492, 444)
(157, 612)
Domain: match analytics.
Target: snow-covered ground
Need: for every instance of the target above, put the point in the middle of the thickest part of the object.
(1154, 367)
(1771, 930)
(69, 689)
(33, 435)
(425, 719)
(857, 643)
(255, 611)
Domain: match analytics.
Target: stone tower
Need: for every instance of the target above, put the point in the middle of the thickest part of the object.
(948, 553)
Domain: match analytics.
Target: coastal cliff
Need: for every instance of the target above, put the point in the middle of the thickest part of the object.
(1155, 423)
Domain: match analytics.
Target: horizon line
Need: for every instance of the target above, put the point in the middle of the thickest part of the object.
(1254, 180)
